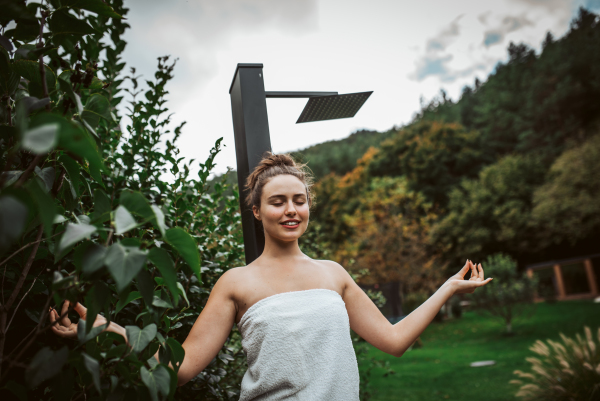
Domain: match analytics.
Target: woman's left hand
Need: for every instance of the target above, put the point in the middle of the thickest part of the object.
(64, 327)
(462, 286)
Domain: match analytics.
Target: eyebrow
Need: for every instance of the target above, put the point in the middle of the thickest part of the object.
(283, 196)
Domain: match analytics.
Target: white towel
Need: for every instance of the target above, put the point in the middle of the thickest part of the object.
(298, 347)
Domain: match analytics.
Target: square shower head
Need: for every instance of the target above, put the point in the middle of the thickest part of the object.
(321, 108)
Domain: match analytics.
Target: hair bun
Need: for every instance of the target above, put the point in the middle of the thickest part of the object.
(270, 160)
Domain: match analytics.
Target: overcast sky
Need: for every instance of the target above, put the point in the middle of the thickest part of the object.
(402, 50)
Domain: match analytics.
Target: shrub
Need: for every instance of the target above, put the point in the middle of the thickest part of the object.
(567, 371)
(86, 215)
(508, 296)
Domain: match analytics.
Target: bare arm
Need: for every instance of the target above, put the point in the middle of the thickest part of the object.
(209, 333)
(210, 330)
(368, 322)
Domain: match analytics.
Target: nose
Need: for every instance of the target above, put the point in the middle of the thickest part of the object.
(290, 210)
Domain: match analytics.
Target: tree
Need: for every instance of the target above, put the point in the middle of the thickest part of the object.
(390, 237)
(567, 207)
(433, 156)
(509, 294)
(493, 213)
(86, 215)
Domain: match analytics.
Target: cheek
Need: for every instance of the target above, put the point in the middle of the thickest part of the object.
(304, 211)
(272, 213)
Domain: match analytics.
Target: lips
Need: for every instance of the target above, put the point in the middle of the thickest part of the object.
(290, 224)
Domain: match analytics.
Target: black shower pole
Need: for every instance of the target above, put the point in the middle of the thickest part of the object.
(251, 131)
(252, 139)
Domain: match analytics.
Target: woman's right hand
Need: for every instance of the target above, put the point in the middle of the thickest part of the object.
(64, 327)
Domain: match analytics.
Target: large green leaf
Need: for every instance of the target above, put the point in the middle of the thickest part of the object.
(96, 107)
(93, 258)
(66, 87)
(13, 216)
(102, 206)
(163, 262)
(146, 286)
(45, 205)
(124, 221)
(138, 339)
(92, 366)
(74, 234)
(183, 293)
(13, 10)
(96, 6)
(72, 171)
(9, 80)
(93, 333)
(46, 177)
(63, 23)
(124, 263)
(41, 139)
(177, 353)
(96, 300)
(27, 29)
(159, 219)
(183, 242)
(30, 70)
(157, 381)
(45, 364)
(136, 203)
(72, 138)
(132, 296)
(32, 52)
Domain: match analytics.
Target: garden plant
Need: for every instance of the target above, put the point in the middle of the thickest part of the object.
(86, 215)
(566, 370)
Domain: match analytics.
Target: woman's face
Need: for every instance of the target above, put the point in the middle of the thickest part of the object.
(284, 210)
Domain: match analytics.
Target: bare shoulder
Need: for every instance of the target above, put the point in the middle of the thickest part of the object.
(231, 280)
(330, 264)
(335, 269)
(236, 275)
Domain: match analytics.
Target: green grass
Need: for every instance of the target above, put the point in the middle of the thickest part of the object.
(440, 370)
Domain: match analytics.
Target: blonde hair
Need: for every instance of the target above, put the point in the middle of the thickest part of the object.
(271, 166)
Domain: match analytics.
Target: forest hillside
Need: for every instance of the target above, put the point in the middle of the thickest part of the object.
(511, 166)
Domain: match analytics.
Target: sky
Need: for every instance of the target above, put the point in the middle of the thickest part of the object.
(404, 51)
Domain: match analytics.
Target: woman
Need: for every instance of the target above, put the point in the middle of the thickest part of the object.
(294, 313)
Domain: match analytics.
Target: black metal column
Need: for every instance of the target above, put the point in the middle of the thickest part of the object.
(251, 130)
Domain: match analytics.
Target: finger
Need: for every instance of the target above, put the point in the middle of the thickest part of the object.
(481, 276)
(464, 269)
(484, 282)
(56, 318)
(80, 309)
(469, 263)
(474, 273)
(64, 313)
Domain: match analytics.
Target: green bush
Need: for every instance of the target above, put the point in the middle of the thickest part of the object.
(510, 293)
(563, 371)
(86, 215)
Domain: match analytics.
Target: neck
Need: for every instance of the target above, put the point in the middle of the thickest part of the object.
(277, 249)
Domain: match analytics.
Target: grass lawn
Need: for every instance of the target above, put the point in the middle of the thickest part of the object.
(440, 370)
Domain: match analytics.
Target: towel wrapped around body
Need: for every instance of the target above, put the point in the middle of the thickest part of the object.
(298, 347)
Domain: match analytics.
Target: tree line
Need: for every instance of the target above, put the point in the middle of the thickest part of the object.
(510, 167)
